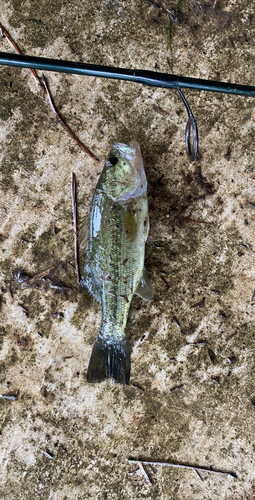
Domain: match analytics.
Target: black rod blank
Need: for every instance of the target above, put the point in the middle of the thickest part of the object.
(151, 78)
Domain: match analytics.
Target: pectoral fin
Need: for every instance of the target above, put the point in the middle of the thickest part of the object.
(144, 289)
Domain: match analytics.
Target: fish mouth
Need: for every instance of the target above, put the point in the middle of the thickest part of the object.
(128, 152)
(139, 166)
(132, 153)
(138, 157)
(134, 145)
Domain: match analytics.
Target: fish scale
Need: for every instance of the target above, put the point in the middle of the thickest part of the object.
(110, 249)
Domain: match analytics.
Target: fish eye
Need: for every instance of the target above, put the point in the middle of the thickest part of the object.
(113, 160)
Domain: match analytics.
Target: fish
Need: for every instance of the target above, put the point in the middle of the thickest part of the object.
(117, 229)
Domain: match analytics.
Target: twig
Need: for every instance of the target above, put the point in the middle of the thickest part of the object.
(134, 472)
(183, 466)
(58, 287)
(176, 387)
(167, 285)
(252, 205)
(74, 205)
(25, 281)
(143, 471)
(4, 33)
(159, 110)
(25, 311)
(184, 177)
(169, 63)
(191, 220)
(37, 277)
(9, 397)
(168, 32)
(198, 475)
(82, 146)
(177, 324)
(23, 308)
(136, 386)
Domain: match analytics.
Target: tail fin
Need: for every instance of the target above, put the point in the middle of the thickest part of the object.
(109, 359)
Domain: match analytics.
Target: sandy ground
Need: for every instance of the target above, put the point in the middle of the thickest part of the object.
(192, 381)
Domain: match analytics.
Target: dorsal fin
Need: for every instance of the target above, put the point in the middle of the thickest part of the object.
(83, 234)
(87, 280)
(83, 240)
(144, 289)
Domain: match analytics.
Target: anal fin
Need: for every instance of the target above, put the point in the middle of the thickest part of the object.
(144, 289)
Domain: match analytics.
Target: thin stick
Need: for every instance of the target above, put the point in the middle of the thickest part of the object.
(25, 282)
(143, 471)
(135, 386)
(4, 33)
(74, 205)
(191, 220)
(9, 397)
(167, 285)
(159, 110)
(198, 475)
(184, 177)
(82, 146)
(183, 466)
(37, 277)
(134, 472)
(176, 387)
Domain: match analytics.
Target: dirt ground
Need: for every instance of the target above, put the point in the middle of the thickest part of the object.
(191, 394)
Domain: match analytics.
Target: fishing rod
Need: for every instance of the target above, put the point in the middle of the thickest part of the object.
(150, 78)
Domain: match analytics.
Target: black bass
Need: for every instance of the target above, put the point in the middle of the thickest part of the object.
(118, 227)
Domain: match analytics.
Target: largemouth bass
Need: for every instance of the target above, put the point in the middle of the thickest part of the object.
(117, 230)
